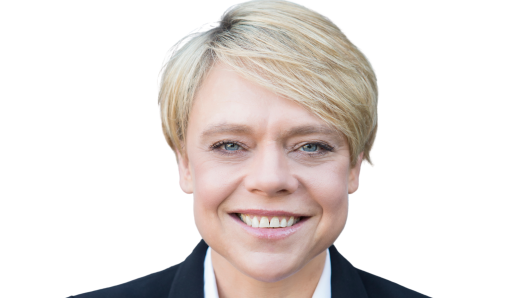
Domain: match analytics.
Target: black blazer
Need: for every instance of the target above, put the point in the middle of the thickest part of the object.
(186, 280)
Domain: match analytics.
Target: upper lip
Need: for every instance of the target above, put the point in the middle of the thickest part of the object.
(264, 212)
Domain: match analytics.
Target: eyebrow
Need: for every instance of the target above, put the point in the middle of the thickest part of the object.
(242, 129)
(309, 130)
(226, 128)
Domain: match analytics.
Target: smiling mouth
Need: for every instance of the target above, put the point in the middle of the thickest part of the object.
(271, 222)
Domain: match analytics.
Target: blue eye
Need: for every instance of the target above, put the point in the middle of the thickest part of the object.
(231, 146)
(309, 147)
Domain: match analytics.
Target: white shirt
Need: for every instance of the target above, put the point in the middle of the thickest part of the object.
(323, 289)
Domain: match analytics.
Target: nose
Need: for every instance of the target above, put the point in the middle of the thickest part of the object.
(269, 174)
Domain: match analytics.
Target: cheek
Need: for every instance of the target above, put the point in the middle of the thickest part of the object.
(328, 184)
(330, 192)
(213, 182)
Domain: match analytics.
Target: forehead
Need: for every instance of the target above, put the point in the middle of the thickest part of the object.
(227, 102)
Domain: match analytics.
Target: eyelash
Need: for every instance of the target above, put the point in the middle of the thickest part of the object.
(217, 147)
(325, 148)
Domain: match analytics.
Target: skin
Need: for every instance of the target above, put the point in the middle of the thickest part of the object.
(274, 157)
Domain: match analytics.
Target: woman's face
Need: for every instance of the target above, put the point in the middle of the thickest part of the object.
(255, 160)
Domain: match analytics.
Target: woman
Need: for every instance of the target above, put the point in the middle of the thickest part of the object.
(270, 116)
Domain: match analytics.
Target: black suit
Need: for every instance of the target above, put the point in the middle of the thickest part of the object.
(186, 280)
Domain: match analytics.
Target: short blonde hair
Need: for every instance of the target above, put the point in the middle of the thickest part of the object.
(290, 50)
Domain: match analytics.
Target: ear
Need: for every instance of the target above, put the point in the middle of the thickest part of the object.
(353, 179)
(185, 176)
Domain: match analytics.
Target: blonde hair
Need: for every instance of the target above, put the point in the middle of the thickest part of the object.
(290, 50)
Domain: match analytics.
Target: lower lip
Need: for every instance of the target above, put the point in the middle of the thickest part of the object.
(270, 233)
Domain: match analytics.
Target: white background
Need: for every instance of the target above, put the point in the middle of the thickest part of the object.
(89, 189)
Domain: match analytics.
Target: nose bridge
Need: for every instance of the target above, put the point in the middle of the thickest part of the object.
(270, 173)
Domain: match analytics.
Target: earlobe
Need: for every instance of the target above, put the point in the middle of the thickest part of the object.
(353, 179)
(185, 177)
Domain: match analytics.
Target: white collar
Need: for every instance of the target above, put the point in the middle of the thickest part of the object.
(323, 289)
(210, 285)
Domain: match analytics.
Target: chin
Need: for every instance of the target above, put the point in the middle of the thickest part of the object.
(268, 267)
(269, 272)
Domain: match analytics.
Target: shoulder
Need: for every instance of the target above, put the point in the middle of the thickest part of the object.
(379, 287)
(348, 281)
(182, 280)
(151, 286)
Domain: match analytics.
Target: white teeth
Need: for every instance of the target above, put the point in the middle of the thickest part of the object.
(264, 223)
(255, 222)
(275, 222)
(248, 220)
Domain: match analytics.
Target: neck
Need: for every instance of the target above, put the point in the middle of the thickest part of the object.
(233, 283)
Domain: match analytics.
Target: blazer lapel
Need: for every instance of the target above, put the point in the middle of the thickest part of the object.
(189, 278)
(345, 280)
